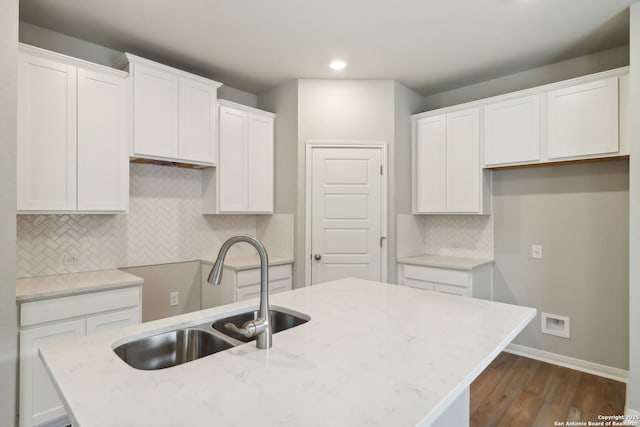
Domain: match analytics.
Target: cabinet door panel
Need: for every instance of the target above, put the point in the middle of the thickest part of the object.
(115, 320)
(103, 160)
(583, 119)
(197, 121)
(512, 131)
(155, 112)
(46, 152)
(260, 153)
(463, 162)
(430, 163)
(232, 166)
(39, 402)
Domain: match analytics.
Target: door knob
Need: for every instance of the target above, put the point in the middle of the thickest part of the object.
(317, 257)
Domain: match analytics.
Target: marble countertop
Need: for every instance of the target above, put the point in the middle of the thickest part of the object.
(35, 288)
(247, 262)
(457, 263)
(372, 354)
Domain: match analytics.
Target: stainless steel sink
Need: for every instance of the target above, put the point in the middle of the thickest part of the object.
(281, 319)
(171, 348)
(183, 345)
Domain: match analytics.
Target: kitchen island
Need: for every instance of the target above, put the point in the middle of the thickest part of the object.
(372, 354)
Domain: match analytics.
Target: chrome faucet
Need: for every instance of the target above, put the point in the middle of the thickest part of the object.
(261, 327)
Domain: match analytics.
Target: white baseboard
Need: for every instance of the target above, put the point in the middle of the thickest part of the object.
(569, 362)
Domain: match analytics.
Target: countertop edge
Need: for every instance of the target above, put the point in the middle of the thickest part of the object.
(85, 282)
(273, 262)
(439, 261)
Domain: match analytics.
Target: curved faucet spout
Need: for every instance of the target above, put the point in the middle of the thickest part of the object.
(263, 324)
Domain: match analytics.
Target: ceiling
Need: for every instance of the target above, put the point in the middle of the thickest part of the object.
(428, 45)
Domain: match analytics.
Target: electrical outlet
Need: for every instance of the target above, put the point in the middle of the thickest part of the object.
(70, 259)
(174, 299)
(536, 251)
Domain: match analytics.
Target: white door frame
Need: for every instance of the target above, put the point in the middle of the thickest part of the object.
(310, 145)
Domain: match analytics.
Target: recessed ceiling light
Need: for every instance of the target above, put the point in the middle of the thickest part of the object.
(337, 65)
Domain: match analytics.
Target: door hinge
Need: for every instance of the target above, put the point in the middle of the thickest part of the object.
(380, 169)
(382, 240)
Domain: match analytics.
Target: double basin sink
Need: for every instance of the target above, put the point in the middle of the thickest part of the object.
(183, 345)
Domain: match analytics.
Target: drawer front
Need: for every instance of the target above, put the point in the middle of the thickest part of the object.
(48, 310)
(252, 277)
(419, 284)
(275, 286)
(453, 290)
(114, 320)
(438, 275)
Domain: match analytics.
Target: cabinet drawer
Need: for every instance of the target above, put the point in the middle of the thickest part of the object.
(453, 290)
(437, 275)
(419, 284)
(252, 277)
(49, 310)
(275, 286)
(115, 320)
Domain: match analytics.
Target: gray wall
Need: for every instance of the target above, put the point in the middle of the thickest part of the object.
(407, 102)
(8, 317)
(633, 387)
(341, 110)
(61, 43)
(283, 101)
(576, 67)
(579, 214)
(161, 280)
(518, 278)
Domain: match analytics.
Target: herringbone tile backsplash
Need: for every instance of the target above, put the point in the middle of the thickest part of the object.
(459, 235)
(164, 224)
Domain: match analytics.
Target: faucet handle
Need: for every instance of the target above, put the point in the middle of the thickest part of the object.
(248, 329)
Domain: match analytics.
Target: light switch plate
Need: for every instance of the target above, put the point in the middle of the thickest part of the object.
(174, 299)
(536, 251)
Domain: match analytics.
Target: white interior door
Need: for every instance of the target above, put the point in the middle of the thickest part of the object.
(346, 213)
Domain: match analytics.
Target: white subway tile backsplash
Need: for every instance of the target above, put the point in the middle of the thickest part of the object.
(164, 224)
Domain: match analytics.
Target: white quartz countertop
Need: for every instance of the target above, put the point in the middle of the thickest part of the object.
(34, 288)
(457, 263)
(372, 354)
(247, 262)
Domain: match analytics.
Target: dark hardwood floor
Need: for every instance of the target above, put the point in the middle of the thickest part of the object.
(517, 391)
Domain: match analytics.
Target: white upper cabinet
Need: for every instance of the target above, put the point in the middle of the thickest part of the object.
(583, 119)
(243, 179)
(463, 161)
(155, 112)
(430, 162)
(197, 121)
(174, 113)
(233, 168)
(260, 162)
(72, 139)
(103, 162)
(447, 175)
(46, 155)
(577, 119)
(512, 131)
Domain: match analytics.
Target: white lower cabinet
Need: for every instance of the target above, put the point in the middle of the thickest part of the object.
(476, 283)
(240, 285)
(58, 319)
